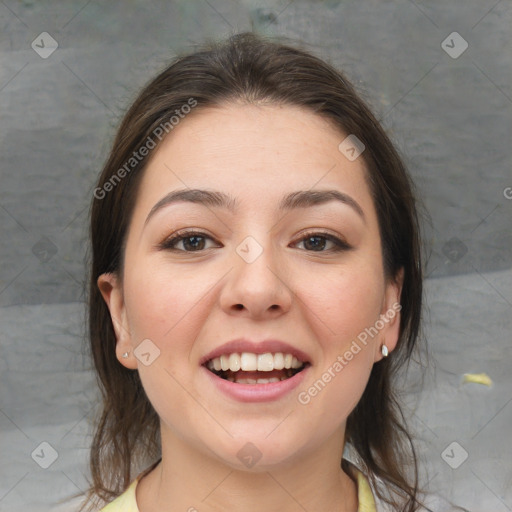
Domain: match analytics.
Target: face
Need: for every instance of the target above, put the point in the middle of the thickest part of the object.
(282, 266)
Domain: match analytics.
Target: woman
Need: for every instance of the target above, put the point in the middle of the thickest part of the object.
(256, 283)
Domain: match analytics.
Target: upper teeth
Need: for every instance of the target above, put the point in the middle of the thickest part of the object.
(249, 362)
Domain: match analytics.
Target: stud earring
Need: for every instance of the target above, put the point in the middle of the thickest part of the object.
(384, 350)
(125, 355)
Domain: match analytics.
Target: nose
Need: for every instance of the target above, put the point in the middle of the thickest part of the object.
(256, 288)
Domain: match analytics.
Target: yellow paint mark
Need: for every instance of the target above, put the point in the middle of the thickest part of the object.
(478, 378)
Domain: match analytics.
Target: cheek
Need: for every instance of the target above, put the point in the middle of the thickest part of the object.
(335, 390)
(341, 305)
(159, 302)
(343, 301)
(343, 391)
(151, 306)
(162, 306)
(168, 306)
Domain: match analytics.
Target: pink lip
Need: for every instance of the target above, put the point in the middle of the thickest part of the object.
(256, 392)
(242, 345)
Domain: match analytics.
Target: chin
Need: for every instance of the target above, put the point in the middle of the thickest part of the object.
(257, 451)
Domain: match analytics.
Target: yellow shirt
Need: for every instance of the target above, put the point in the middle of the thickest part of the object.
(126, 502)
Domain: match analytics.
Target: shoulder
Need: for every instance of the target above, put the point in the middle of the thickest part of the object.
(369, 499)
(125, 502)
(365, 494)
(429, 503)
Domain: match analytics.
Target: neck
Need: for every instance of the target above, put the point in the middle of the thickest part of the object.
(186, 480)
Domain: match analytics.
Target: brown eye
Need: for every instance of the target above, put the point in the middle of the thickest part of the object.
(317, 242)
(192, 241)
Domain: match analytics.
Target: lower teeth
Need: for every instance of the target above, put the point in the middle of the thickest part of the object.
(246, 380)
(240, 379)
(255, 381)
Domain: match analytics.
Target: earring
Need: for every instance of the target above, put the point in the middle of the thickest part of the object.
(125, 355)
(384, 350)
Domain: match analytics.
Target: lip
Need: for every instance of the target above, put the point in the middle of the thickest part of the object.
(243, 345)
(256, 392)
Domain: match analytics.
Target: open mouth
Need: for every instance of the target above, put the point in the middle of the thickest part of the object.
(249, 368)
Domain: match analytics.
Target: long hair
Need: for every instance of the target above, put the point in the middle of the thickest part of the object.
(250, 69)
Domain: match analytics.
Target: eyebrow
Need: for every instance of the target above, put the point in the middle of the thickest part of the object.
(216, 199)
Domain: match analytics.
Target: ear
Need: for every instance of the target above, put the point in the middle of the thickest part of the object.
(112, 292)
(390, 315)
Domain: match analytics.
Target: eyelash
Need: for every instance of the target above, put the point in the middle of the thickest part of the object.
(169, 243)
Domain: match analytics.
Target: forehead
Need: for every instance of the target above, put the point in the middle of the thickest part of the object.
(253, 152)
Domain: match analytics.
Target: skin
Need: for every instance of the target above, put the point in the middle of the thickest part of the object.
(188, 303)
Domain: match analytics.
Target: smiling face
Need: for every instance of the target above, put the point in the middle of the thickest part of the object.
(279, 247)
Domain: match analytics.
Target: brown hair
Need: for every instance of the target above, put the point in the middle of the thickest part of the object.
(251, 69)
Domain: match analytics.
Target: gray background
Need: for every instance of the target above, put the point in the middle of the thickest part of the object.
(450, 117)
